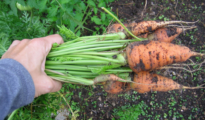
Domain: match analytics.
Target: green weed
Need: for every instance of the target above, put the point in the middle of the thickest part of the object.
(129, 112)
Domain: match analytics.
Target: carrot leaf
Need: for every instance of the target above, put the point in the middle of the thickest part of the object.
(4, 43)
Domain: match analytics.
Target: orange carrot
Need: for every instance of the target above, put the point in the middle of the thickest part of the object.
(149, 55)
(146, 82)
(167, 34)
(148, 26)
(107, 77)
(113, 87)
(116, 28)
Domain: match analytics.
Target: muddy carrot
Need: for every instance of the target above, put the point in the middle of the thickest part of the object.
(149, 55)
(167, 34)
(146, 82)
(113, 87)
(148, 26)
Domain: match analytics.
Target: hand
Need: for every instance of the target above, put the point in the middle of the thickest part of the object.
(32, 55)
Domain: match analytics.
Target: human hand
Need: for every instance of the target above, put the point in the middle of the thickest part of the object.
(32, 55)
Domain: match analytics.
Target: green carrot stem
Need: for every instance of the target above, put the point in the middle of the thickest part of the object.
(79, 62)
(69, 51)
(89, 45)
(100, 58)
(119, 70)
(113, 36)
(59, 78)
(90, 42)
(12, 114)
(76, 72)
(68, 44)
(109, 53)
(72, 78)
(67, 67)
(121, 24)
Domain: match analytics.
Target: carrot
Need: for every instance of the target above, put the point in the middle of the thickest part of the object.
(167, 34)
(116, 28)
(146, 82)
(113, 87)
(148, 26)
(107, 77)
(149, 55)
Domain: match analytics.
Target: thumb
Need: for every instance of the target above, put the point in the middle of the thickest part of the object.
(45, 84)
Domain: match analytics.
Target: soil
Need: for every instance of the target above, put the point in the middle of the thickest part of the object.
(177, 104)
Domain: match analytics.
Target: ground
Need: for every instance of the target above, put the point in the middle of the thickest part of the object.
(95, 103)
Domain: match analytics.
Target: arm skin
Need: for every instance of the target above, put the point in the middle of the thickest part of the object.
(22, 75)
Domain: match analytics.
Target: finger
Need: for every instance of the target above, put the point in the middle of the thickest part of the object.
(54, 39)
(57, 85)
(43, 65)
(14, 43)
(52, 85)
(45, 84)
(21, 44)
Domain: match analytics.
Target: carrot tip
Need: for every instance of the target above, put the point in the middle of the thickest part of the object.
(198, 54)
(198, 87)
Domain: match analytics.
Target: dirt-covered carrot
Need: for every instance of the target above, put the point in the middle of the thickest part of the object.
(113, 87)
(106, 77)
(118, 28)
(148, 26)
(149, 55)
(114, 28)
(167, 34)
(146, 82)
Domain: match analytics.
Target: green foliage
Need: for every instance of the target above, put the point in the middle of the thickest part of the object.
(38, 18)
(23, 27)
(4, 43)
(74, 14)
(66, 33)
(130, 112)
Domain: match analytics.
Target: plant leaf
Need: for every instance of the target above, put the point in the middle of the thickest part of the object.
(96, 20)
(63, 1)
(52, 11)
(91, 3)
(95, 10)
(82, 5)
(13, 7)
(32, 3)
(102, 16)
(21, 2)
(42, 5)
(4, 43)
(102, 4)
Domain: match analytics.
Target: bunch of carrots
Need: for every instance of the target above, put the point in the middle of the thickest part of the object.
(111, 59)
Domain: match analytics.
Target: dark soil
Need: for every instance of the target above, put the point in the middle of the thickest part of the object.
(178, 104)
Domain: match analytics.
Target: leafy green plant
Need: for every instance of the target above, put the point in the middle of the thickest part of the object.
(129, 112)
(4, 43)
(74, 14)
(23, 27)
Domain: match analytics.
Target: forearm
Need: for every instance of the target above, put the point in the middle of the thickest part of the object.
(16, 86)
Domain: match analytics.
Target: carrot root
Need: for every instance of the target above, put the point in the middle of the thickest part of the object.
(198, 54)
(104, 78)
(113, 87)
(198, 87)
(164, 23)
